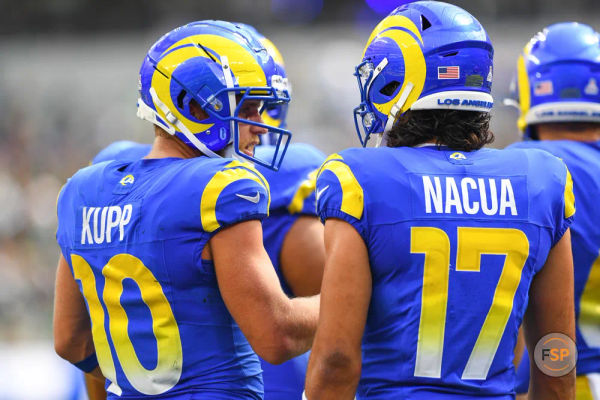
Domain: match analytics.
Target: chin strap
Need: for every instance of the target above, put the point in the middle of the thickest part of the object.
(396, 108)
(394, 112)
(176, 123)
(148, 114)
(228, 152)
(231, 151)
(228, 74)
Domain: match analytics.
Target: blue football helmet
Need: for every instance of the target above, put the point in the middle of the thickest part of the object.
(424, 55)
(276, 113)
(558, 77)
(218, 65)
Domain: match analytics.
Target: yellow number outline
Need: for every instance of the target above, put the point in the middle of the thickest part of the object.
(589, 307)
(168, 369)
(472, 242)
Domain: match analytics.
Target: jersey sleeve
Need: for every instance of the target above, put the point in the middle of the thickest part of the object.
(236, 193)
(293, 186)
(340, 195)
(304, 201)
(123, 150)
(61, 237)
(566, 205)
(66, 215)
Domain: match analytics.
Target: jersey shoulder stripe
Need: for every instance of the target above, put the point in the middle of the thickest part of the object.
(303, 193)
(352, 195)
(246, 183)
(569, 196)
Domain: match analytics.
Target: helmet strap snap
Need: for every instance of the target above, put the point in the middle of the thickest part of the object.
(182, 128)
(396, 108)
(228, 74)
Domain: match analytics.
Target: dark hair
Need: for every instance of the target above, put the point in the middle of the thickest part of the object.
(459, 130)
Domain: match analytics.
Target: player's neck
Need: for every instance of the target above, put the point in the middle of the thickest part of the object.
(575, 132)
(165, 146)
(428, 143)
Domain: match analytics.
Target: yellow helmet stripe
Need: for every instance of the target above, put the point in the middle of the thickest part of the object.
(393, 21)
(244, 66)
(270, 121)
(242, 62)
(524, 91)
(273, 51)
(414, 67)
(161, 82)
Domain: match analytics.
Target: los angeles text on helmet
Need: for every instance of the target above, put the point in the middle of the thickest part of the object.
(465, 103)
(568, 113)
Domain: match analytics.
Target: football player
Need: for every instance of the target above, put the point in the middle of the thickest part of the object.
(558, 95)
(292, 234)
(433, 243)
(167, 250)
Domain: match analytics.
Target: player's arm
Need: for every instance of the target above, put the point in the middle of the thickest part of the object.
(72, 329)
(303, 256)
(335, 361)
(551, 310)
(94, 387)
(278, 328)
(519, 348)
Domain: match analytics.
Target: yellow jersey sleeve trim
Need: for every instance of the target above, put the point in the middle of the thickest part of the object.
(582, 388)
(352, 192)
(305, 189)
(232, 172)
(569, 196)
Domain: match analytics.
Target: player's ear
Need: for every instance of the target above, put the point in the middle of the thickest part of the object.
(197, 111)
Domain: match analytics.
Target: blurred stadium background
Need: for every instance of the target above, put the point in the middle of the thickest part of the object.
(68, 79)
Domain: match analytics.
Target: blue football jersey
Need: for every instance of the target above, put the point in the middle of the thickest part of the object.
(122, 150)
(292, 194)
(583, 160)
(133, 235)
(454, 240)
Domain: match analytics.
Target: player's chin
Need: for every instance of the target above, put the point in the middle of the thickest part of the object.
(249, 150)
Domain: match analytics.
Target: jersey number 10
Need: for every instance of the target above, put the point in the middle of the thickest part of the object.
(167, 372)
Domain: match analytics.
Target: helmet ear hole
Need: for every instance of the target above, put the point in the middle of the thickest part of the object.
(197, 111)
(180, 97)
(424, 23)
(390, 88)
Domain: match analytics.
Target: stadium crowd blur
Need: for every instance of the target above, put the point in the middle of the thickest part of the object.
(68, 75)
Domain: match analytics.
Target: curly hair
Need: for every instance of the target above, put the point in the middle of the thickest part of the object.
(459, 130)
